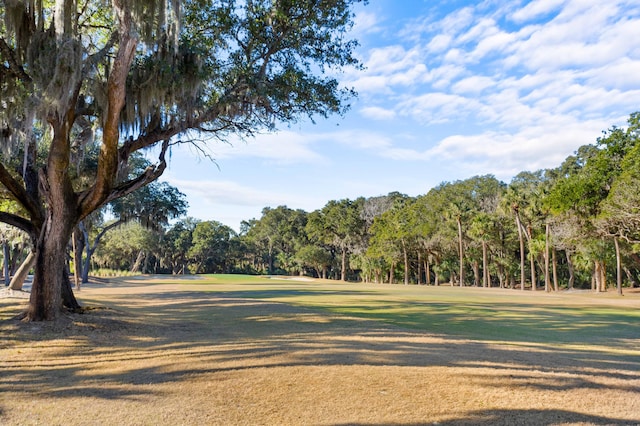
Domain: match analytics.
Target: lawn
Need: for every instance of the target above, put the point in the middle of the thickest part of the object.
(226, 349)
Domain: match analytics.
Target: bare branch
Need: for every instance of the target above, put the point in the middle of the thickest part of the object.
(16, 69)
(19, 193)
(18, 222)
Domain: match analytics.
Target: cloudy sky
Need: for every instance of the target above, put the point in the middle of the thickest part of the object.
(452, 89)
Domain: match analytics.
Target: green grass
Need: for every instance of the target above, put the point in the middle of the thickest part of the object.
(507, 316)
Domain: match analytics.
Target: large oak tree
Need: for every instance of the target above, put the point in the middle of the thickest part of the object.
(127, 75)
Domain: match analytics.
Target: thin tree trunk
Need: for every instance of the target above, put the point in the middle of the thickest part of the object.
(5, 263)
(77, 257)
(427, 270)
(532, 260)
(136, 264)
(343, 267)
(572, 275)
(476, 273)
(406, 263)
(460, 251)
(522, 255)
(554, 262)
(600, 276)
(21, 274)
(419, 268)
(632, 279)
(485, 265)
(547, 278)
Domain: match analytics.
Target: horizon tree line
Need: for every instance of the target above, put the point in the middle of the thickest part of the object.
(575, 226)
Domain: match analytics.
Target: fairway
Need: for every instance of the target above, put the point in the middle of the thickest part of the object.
(226, 349)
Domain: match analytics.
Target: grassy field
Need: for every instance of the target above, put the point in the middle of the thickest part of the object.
(228, 349)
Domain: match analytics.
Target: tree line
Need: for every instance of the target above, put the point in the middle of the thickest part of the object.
(576, 226)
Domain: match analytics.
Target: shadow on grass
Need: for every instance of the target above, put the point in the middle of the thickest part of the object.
(505, 321)
(520, 417)
(197, 333)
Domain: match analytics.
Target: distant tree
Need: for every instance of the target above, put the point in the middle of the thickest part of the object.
(315, 257)
(584, 190)
(210, 244)
(619, 216)
(125, 247)
(175, 245)
(152, 206)
(278, 232)
(338, 224)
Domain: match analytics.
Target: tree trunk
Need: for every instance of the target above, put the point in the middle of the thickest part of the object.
(406, 263)
(547, 278)
(136, 264)
(5, 263)
(618, 266)
(427, 270)
(599, 274)
(554, 262)
(343, 267)
(419, 268)
(87, 265)
(485, 266)
(572, 275)
(476, 273)
(632, 279)
(522, 255)
(78, 247)
(51, 290)
(21, 274)
(460, 251)
(532, 260)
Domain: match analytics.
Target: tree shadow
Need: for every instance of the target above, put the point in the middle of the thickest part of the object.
(226, 332)
(520, 417)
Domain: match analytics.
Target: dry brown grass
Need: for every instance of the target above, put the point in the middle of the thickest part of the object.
(166, 354)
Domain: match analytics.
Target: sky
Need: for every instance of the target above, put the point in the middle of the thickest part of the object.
(450, 90)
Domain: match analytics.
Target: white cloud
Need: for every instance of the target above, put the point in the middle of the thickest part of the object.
(378, 113)
(390, 60)
(231, 202)
(388, 67)
(472, 85)
(438, 107)
(504, 154)
(361, 139)
(365, 22)
(623, 74)
(226, 193)
(283, 147)
(439, 43)
(535, 9)
(457, 21)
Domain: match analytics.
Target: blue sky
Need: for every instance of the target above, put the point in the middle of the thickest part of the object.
(452, 89)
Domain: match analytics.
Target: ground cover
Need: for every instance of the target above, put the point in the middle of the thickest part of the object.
(246, 350)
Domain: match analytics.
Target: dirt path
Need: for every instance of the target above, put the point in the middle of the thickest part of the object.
(165, 354)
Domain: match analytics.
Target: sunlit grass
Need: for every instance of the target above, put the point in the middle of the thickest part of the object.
(507, 316)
